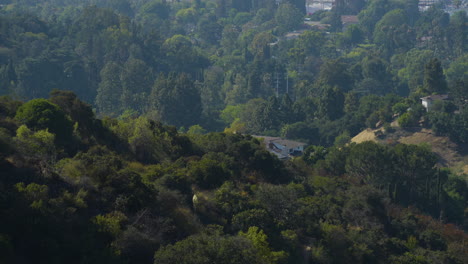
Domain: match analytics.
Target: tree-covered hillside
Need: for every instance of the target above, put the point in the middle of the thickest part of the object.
(132, 190)
(111, 148)
(248, 66)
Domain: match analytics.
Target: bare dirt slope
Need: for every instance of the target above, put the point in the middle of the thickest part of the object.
(448, 152)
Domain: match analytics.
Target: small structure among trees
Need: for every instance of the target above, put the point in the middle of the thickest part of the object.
(428, 101)
(283, 148)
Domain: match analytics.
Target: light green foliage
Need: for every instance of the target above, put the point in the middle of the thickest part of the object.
(71, 170)
(187, 15)
(143, 139)
(110, 223)
(36, 145)
(231, 112)
(412, 242)
(407, 120)
(291, 238)
(196, 130)
(33, 191)
(259, 241)
(40, 114)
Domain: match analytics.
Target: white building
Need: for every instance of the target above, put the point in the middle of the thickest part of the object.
(283, 148)
(429, 101)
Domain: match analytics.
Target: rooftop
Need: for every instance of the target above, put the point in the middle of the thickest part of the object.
(290, 144)
(435, 97)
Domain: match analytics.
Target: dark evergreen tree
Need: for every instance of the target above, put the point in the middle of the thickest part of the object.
(434, 78)
(110, 90)
(176, 100)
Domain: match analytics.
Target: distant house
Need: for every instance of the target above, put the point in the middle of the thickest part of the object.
(283, 148)
(429, 101)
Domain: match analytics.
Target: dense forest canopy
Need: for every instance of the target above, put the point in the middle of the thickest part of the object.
(283, 75)
(111, 148)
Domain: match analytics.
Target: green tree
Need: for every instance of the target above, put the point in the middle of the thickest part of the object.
(416, 170)
(176, 100)
(459, 90)
(458, 70)
(109, 90)
(37, 147)
(210, 246)
(40, 114)
(182, 56)
(331, 103)
(208, 173)
(392, 32)
(287, 17)
(459, 32)
(259, 241)
(257, 113)
(434, 78)
(209, 29)
(373, 12)
(412, 67)
(336, 73)
(136, 79)
(79, 112)
(371, 163)
(352, 36)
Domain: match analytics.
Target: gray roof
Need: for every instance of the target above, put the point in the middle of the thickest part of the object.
(435, 97)
(290, 144)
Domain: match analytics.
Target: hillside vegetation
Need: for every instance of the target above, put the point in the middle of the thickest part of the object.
(131, 190)
(125, 132)
(449, 153)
